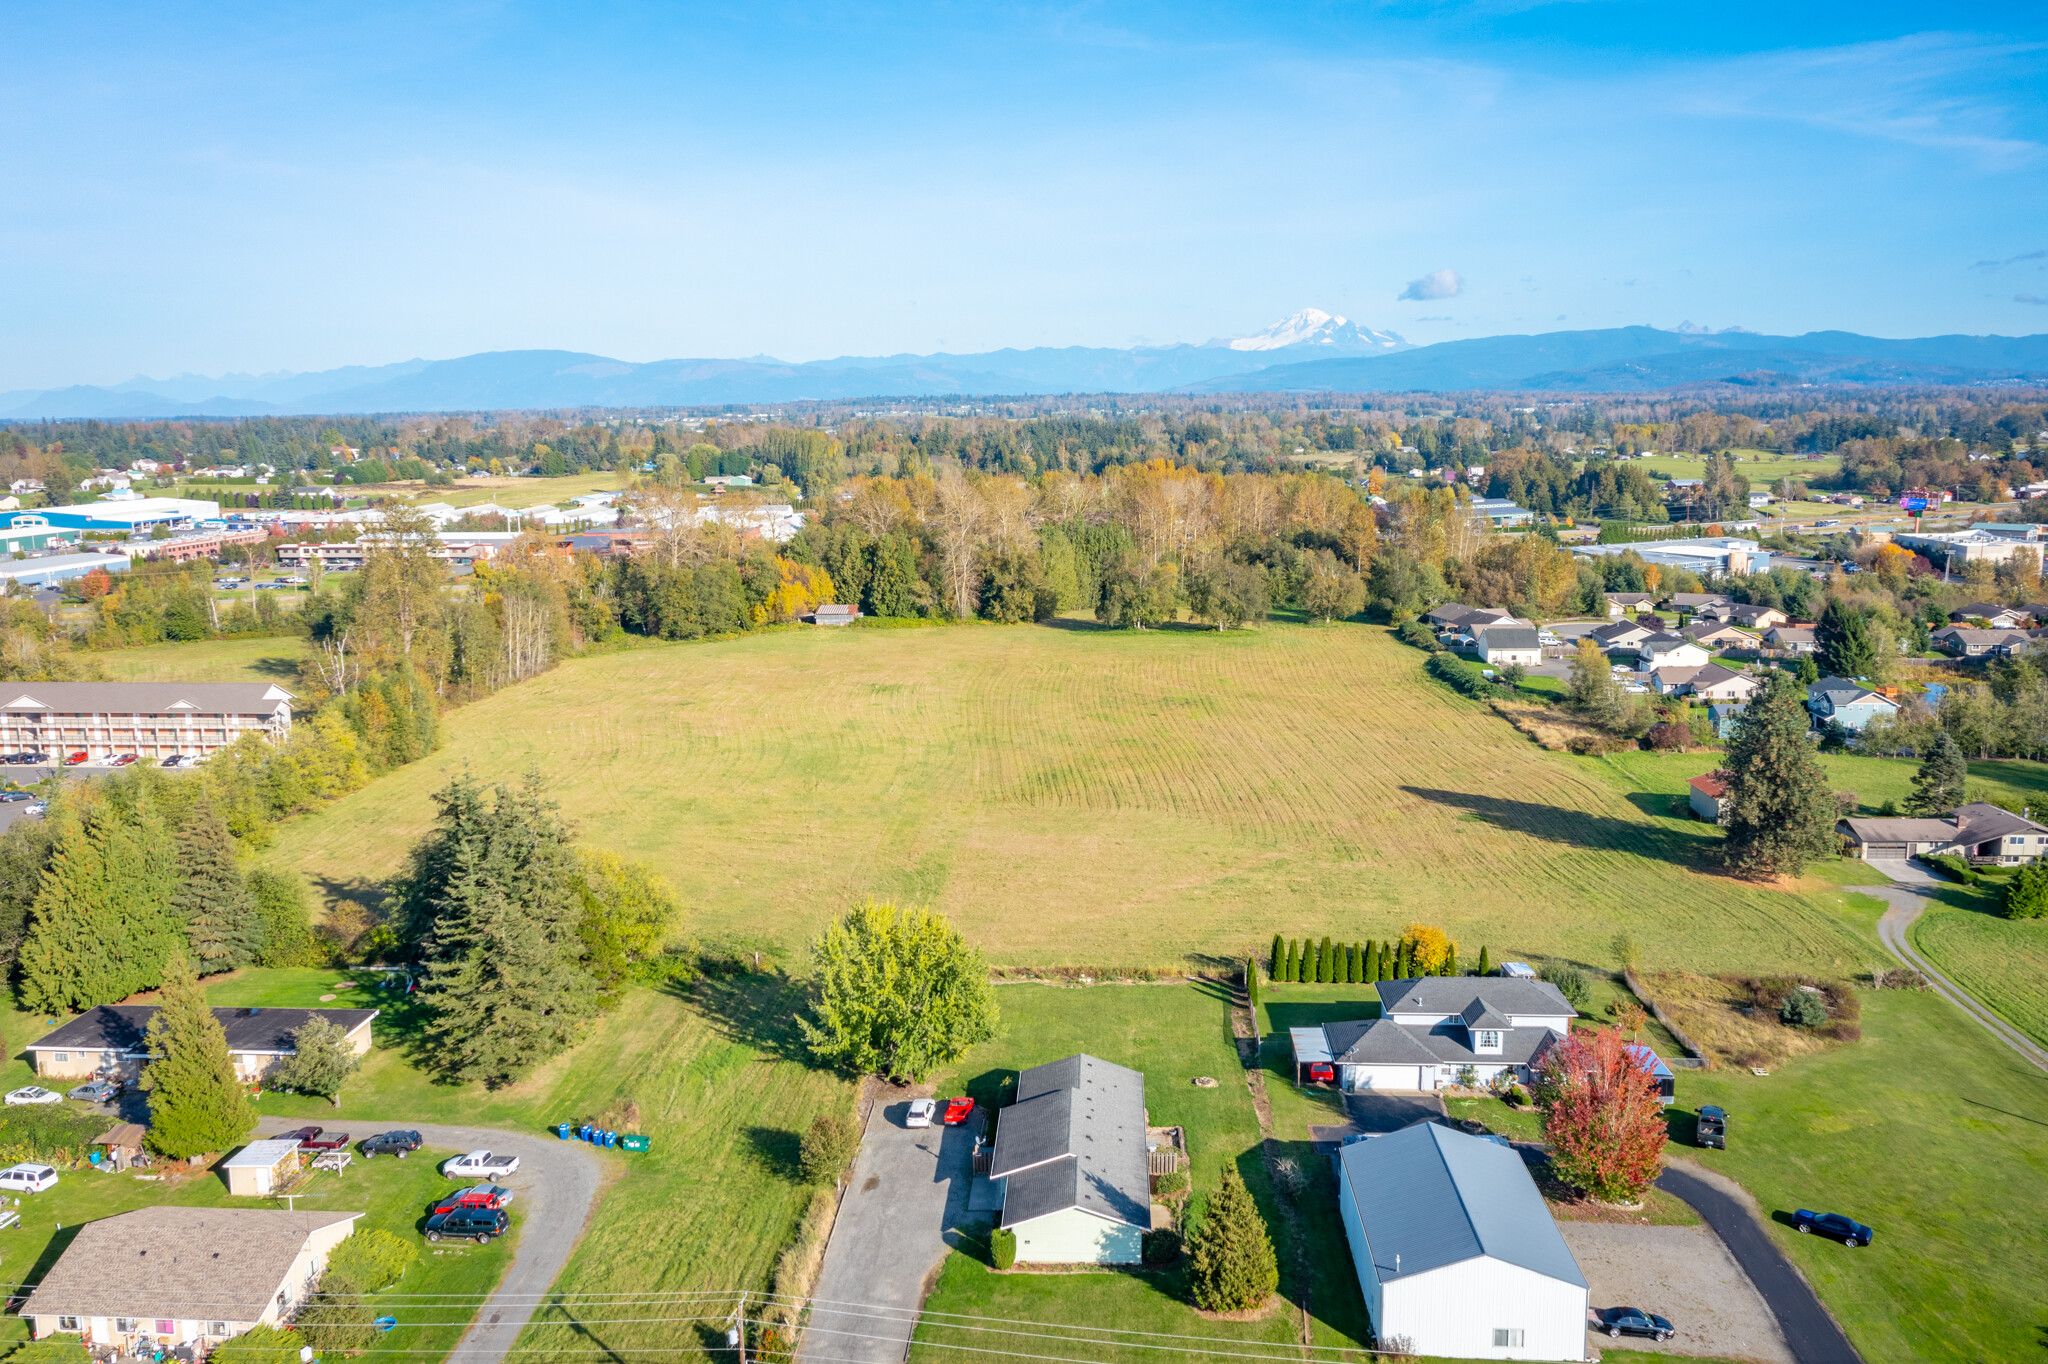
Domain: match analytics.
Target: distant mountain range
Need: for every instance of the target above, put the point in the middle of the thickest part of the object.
(1309, 352)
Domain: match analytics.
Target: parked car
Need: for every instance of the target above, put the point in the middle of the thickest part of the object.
(36, 808)
(483, 1164)
(920, 1114)
(487, 1196)
(1627, 1321)
(22, 758)
(10, 797)
(390, 1144)
(957, 1111)
(33, 1094)
(123, 761)
(301, 1135)
(27, 1177)
(1712, 1128)
(474, 1224)
(1847, 1230)
(326, 1141)
(1322, 1072)
(78, 757)
(96, 1091)
(175, 760)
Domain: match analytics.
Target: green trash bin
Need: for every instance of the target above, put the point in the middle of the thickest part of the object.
(633, 1142)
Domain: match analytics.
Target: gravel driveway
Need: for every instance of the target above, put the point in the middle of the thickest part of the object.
(557, 1184)
(1683, 1273)
(909, 1190)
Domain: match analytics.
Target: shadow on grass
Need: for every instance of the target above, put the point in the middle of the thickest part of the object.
(780, 1153)
(759, 1009)
(59, 1243)
(1662, 805)
(992, 1089)
(1597, 833)
(360, 891)
(275, 667)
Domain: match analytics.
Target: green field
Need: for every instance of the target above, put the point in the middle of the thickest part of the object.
(1092, 798)
(509, 492)
(262, 658)
(1766, 467)
(2003, 963)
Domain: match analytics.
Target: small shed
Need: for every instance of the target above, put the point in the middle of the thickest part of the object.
(258, 1168)
(121, 1147)
(1667, 1083)
(1311, 1047)
(835, 614)
(1709, 789)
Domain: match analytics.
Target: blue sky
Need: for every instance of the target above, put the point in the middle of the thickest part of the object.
(204, 189)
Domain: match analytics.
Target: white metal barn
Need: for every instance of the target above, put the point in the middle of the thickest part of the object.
(1070, 1156)
(1455, 1250)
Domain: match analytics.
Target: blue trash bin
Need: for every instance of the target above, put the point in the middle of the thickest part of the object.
(611, 1139)
(583, 1132)
(562, 1130)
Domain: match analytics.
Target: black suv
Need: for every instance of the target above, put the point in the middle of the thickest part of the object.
(475, 1224)
(389, 1144)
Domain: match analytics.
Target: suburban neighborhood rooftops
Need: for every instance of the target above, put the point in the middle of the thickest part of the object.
(120, 1027)
(1988, 610)
(1075, 1138)
(1385, 1042)
(1449, 995)
(146, 698)
(1791, 634)
(1662, 640)
(1621, 632)
(1713, 675)
(1428, 1197)
(220, 1264)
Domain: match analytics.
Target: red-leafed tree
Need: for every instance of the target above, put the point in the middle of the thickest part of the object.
(1602, 1116)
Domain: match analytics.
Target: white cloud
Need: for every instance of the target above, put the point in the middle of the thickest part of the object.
(1435, 284)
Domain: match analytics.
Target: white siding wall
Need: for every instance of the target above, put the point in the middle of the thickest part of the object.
(1454, 1311)
(1404, 1078)
(1076, 1237)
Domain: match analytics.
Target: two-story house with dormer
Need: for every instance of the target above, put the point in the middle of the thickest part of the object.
(1434, 1030)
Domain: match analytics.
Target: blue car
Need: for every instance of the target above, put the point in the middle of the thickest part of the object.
(1847, 1230)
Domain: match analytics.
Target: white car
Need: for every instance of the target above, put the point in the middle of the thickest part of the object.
(920, 1114)
(27, 1178)
(33, 1094)
(481, 1164)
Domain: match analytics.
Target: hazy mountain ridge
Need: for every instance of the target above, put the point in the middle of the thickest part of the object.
(1310, 351)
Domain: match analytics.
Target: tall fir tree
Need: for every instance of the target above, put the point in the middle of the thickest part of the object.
(1279, 962)
(1323, 960)
(504, 986)
(1938, 785)
(1292, 972)
(1231, 1264)
(101, 926)
(1779, 811)
(222, 922)
(1842, 643)
(196, 1105)
(1485, 960)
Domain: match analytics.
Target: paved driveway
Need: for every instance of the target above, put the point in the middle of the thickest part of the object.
(557, 1184)
(895, 1223)
(1684, 1274)
(1377, 1115)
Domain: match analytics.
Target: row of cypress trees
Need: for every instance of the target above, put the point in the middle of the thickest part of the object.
(1363, 963)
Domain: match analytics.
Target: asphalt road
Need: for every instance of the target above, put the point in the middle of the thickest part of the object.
(557, 1184)
(1809, 1330)
(1908, 894)
(909, 1190)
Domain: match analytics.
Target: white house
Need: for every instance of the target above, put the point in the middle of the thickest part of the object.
(1070, 1156)
(1502, 645)
(1982, 833)
(1670, 651)
(1455, 1252)
(1444, 1030)
(164, 1277)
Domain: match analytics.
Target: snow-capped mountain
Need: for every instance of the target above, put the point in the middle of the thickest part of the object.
(1314, 327)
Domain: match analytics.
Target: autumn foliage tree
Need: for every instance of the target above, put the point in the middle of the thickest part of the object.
(1602, 1116)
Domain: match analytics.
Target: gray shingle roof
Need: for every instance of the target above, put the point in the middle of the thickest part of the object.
(1075, 1138)
(1479, 1014)
(120, 1027)
(194, 1264)
(1383, 1042)
(1450, 995)
(146, 698)
(1380, 1041)
(1509, 637)
(1428, 1197)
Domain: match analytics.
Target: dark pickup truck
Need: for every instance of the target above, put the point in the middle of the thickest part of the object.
(1712, 1129)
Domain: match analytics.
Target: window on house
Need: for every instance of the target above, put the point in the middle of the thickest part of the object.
(67, 1323)
(123, 1325)
(1489, 1040)
(166, 1328)
(1507, 1337)
(62, 1057)
(216, 1328)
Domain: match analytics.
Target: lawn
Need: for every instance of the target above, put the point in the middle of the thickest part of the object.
(265, 658)
(1874, 780)
(1089, 798)
(713, 1072)
(507, 492)
(2002, 962)
(393, 1195)
(1761, 467)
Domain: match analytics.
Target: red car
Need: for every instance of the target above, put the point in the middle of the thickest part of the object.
(302, 1135)
(76, 758)
(124, 760)
(326, 1141)
(1322, 1072)
(957, 1111)
(488, 1196)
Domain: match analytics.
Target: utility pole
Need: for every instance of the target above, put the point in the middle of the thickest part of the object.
(736, 1329)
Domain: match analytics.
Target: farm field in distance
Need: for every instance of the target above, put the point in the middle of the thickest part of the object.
(1092, 798)
(237, 658)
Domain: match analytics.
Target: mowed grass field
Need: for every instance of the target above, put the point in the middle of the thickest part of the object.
(265, 658)
(2002, 962)
(1080, 797)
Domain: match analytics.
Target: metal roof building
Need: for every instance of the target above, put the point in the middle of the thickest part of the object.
(141, 513)
(1070, 1152)
(1455, 1250)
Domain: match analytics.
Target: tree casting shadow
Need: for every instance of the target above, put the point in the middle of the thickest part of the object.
(1572, 828)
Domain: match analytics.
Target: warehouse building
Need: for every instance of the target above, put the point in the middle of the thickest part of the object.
(58, 568)
(148, 719)
(140, 514)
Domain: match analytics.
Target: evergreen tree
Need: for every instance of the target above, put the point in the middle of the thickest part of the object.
(1351, 965)
(1451, 961)
(1231, 1265)
(1323, 960)
(1293, 971)
(1368, 963)
(1779, 812)
(196, 1105)
(1485, 960)
(1938, 785)
(1279, 960)
(1404, 962)
(320, 1063)
(280, 900)
(101, 927)
(1842, 643)
(504, 986)
(1809, 671)
(221, 920)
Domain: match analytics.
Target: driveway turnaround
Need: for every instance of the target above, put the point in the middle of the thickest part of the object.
(1908, 894)
(1684, 1274)
(1808, 1329)
(895, 1222)
(557, 1184)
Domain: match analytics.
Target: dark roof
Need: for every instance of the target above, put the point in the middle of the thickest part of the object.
(120, 1027)
(1379, 1041)
(1075, 1138)
(1828, 684)
(1978, 821)
(1664, 639)
(1630, 596)
(1450, 995)
(137, 698)
(1428, 1197)
(1479, 1014)
(1714, 674)
(1509, 637)
(1984, 610)
(1620, 630)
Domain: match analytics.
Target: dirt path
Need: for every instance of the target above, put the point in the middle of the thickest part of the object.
(1296, 1249)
